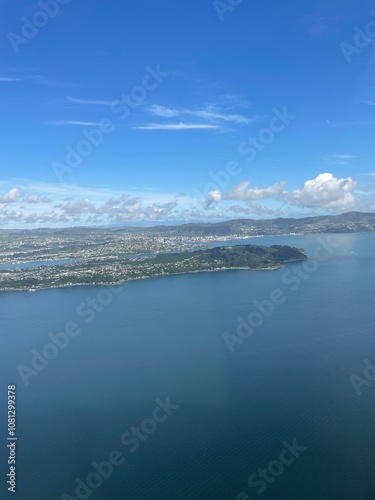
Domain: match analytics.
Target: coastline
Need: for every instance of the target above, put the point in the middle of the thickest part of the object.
(123, 282)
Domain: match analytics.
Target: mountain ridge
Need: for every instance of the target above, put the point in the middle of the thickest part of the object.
(349, 222)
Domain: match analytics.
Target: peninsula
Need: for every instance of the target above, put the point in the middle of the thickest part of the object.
(114, 269)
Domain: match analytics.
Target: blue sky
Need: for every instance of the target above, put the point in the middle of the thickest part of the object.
(148, 111)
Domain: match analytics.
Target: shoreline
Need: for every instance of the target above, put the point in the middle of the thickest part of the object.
(123, 282)
(218, 239)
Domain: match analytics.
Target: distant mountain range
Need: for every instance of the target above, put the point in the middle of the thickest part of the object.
(352, 222)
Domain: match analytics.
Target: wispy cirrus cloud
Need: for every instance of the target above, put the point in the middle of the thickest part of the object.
(177, 126)
(345, 157)
(20, 75)
(72, 123)
(212, 113)
(55, 83)
(351, 124)
(338, 159)
(10, 79)
(163, 111)
(94, 102)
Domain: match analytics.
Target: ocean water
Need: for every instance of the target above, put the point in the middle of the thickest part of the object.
(232, 413)
(36, 263)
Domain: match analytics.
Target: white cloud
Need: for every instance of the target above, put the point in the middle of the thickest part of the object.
(344, 157)
(162, 111)
(77, 207)
(177, 126)
(339, 159)
(352, 124)
(73, 122)
(325, 191)
(10, 216)
(245, 192)
(216, 195)
(34, 78)
(29, 204)
(10, 79)
(213, 197)
(34, 198)
(212, 115)
(96, 102)
(11, 196)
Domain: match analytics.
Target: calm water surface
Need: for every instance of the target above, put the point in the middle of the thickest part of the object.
(163, 338)
(36, 263)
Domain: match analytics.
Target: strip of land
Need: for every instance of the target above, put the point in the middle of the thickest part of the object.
(103, 268)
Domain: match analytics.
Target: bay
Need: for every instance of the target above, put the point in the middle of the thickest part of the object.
(163, 338)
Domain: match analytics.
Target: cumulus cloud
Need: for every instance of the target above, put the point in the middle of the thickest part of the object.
(115, 210)
(7, 216)
(45, 217)
(126, 207)
(132, 208)
(213, 197)
(245, 192)
(34, 198)
(216, 195)
(11, 196)
(77, 207)
(73, 205)
(325, 191)
(14, 214)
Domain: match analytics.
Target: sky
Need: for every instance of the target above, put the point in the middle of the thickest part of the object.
(158, 111)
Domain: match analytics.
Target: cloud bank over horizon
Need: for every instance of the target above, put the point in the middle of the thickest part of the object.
(30, 204)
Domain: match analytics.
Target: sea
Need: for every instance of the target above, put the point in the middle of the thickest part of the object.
(232, 385)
